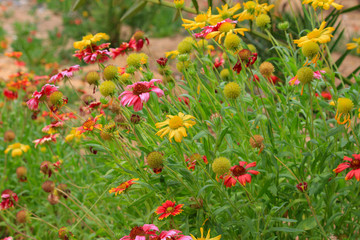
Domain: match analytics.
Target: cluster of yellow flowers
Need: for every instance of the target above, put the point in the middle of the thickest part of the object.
(89, 39)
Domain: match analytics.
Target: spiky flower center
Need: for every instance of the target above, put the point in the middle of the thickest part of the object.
(345, 105)
(226, 27)
(175, 122)
(140, 88)
(355, 163)
(238, 171)
(195, 156)
(137, 231)
(89, 124)
(169, 209)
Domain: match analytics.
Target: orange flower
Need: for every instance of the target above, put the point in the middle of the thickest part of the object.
(89, 125)
(168, 208)
(123, 186)
(16, 55)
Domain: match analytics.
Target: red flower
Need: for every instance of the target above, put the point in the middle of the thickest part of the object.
(219, 61)
(123, 186)
(168, 208)
(89, 125)
(302, 187)
(245, 56)
(64, 73)
(353, 163)
(55, 124)
(137, 41)
(185, 99)
(142, 233)
(240, 173)
(46, 90)
(47, 138)
(162, 61)
(114, 52)
(8, 197)
(326, 95)
(10, 95)
(191, 161)
(256, 78)
(94, 53)
(273, 79)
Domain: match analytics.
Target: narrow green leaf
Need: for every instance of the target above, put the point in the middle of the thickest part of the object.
(196, 5)
(133, 10)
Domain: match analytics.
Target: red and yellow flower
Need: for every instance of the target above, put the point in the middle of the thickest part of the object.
(353, 163)
(89, 125)
(239, 173)
(169, 208)
(123, 186)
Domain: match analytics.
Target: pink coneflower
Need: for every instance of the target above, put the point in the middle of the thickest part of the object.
(239, 173)
(353, 163)
(172, 234)
(140, 93)
(47, 138)
(64, 73)
(7, 199)
(142, 233)
(46, 90)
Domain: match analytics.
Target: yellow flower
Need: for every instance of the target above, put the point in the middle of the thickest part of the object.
(225, 28)
(321, 35)
(199, 21)
(355, 44)
(252, 9)
(72, 135)
(207, 236)
(17, 149)
(172, 54)
(89, 39)
(224, 13)
(175, 126)
(324, 4)
(179, 3)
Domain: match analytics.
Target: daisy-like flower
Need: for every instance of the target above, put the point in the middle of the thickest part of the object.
(17, 149)
(46, 91)
(252, 9)
(47, 138)
(353, 163)
(89, 40)
(8, 198)
(169, 208)
(52, 126)
(344, 106)
(224, 13)
(207, 236)
(123, 186)
(171, 234)
(321, 35)
(222, 29)
(199, 21)
(317, 75)
(121, 50)
(240, 173)
(191, 161)
(324, 4)
(142, 233)
(140, 94)
(89, 125)
(354, 44)
(15, 55)
(94, 53)
(175, 126)
(68, 73)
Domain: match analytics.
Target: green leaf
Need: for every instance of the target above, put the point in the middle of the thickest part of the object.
(133, 10)
(196, 5)
(341, 59)
(307, 224)
(77, 5)
(284, 229)
(335, 131)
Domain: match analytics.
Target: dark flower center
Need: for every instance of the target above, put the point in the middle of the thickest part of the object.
(238, 171)
(140, 88)
(137, 231)
(355, 163)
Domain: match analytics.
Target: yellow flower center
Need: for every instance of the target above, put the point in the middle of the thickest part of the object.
(175, 122)
(225, 15)
(250, 4)
(200, 18)
(345, 105)
(169, 209)
(226, 27)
